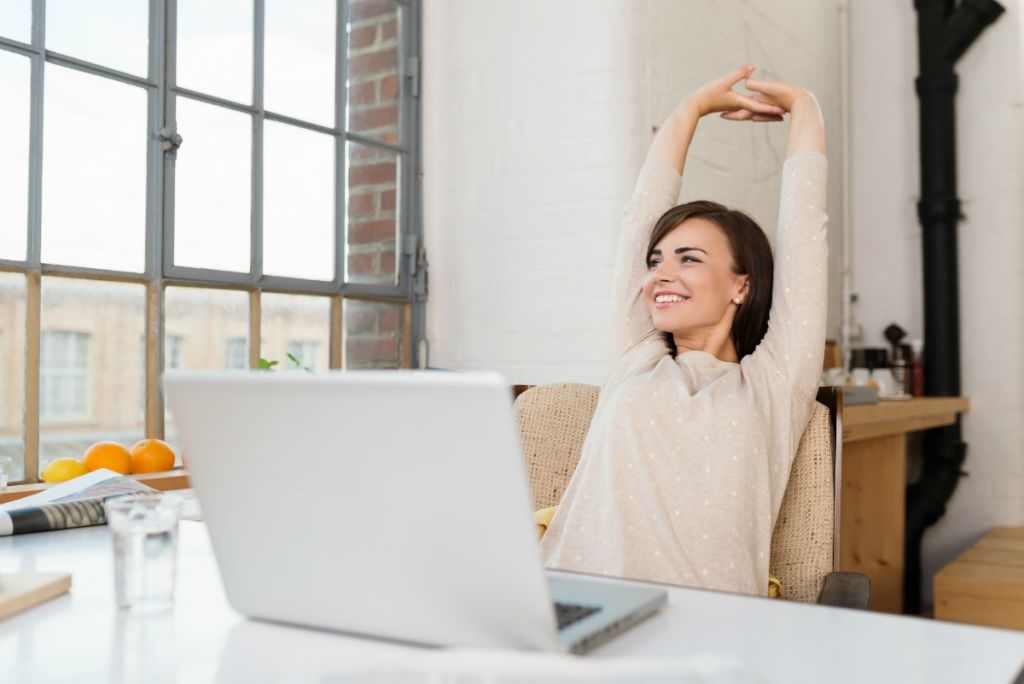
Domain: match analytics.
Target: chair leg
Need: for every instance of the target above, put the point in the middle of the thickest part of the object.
(846, 590)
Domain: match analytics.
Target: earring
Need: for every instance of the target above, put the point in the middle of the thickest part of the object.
(738, 301)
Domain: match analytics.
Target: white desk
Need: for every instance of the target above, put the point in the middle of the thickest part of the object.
(81, 637)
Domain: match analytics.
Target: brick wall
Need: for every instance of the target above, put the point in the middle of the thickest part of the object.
(373, 334)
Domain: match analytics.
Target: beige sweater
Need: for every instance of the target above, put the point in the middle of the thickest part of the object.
(686, 462)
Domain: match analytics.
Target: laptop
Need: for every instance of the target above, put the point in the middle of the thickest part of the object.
(392, 504)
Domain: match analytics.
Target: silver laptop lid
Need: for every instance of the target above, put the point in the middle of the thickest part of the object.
(392, 504)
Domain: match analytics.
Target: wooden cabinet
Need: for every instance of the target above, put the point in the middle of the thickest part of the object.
(874, 481)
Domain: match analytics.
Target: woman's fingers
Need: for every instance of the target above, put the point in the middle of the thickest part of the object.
(777, 92)
(738, 75)
(747, 115)
(738, 115)
(757, 105)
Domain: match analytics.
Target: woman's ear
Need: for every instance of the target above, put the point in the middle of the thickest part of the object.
(745, 287)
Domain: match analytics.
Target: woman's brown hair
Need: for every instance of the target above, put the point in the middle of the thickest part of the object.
(751, 256)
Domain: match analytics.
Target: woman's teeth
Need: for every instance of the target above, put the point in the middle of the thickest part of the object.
(661, 299)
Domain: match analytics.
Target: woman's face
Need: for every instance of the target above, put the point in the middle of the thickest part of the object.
(691, 283)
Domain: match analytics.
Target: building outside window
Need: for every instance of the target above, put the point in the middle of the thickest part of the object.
(174, 352)
(63, 376)
(305, 352)
(237, 357)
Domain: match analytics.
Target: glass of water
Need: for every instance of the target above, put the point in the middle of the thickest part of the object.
(5, 468)
(145, 532)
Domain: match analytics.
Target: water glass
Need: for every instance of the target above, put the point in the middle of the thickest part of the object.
(5, 468)
(144, 528)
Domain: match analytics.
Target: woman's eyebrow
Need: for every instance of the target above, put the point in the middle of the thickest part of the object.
(680, 250)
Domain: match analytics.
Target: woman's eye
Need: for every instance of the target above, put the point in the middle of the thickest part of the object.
(653, 265)
(690, 259)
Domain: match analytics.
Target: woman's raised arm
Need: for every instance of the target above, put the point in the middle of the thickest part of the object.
(673, 140)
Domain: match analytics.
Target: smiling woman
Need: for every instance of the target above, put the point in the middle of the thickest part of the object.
(713, 366)
(734, 261)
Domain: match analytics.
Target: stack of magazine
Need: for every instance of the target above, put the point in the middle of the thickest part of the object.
(75, 503)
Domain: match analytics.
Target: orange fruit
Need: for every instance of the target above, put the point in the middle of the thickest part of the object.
(109, 455)
(152, 456)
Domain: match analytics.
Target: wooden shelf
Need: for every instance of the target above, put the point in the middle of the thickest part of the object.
(869, 421)
(171, 479)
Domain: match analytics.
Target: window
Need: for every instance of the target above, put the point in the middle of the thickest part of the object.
(237, 354)
(305, 352)
(63, 375)
(227, 159)
(174, 352)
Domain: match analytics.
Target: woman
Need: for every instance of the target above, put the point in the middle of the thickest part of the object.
(686, 462)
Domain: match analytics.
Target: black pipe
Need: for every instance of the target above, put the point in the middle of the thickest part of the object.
(944, 32)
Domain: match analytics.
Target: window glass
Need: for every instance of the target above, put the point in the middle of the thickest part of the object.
(89, 366)
(237, 354)
(16, 20)
(112, 33)
(372, 201)
(63, 375)
(212, 188)
(15, 84)
(94, 172)
(206, 329)
(299, 59)
(215, 48)
(373, 334)
(12, 372)
(172, 361)
(299, 325)
(374, 76)
(298, 202)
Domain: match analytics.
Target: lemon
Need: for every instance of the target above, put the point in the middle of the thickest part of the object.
(62, 469)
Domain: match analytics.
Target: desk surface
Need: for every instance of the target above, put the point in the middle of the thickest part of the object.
(866, 421)
(81, 637)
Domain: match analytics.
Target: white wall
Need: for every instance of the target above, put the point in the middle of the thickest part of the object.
(537, 116)
(887, 244)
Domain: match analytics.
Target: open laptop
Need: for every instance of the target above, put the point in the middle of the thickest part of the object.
(391, 504)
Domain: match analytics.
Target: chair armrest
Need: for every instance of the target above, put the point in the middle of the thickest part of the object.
(846, 590)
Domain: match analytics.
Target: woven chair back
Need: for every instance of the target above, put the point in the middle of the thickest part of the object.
(554, 420)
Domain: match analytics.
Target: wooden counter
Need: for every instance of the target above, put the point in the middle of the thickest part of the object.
(874, 481)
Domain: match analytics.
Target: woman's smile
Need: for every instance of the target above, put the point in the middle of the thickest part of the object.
(664, 299)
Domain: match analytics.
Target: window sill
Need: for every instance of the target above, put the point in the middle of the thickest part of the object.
(166, 481)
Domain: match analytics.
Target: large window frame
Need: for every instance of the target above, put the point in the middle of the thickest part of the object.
(160, 270)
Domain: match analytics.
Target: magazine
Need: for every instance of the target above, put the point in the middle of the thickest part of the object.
(75, 503)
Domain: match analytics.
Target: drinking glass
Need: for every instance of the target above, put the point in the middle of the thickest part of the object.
(144, 528)
(5, 467)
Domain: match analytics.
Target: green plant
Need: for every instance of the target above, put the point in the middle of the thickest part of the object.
(269, 365)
